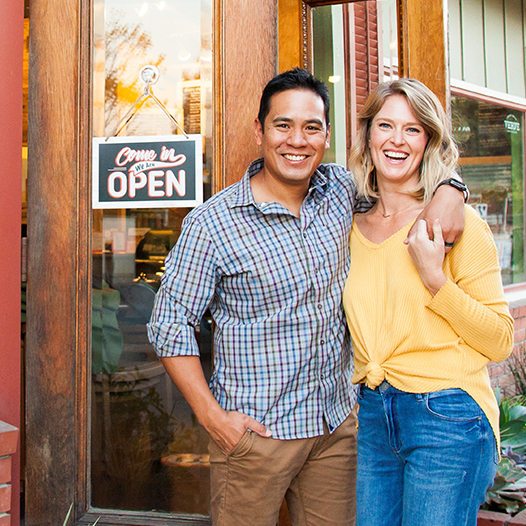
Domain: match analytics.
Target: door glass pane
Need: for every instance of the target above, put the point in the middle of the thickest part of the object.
(354, 46)
(328, 59)
(148, 451)
(388, 38)
(490, 139)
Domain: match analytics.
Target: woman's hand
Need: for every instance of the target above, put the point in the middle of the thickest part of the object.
(447, 205)
(428, 255)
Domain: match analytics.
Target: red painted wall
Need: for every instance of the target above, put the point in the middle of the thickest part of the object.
(11, 62)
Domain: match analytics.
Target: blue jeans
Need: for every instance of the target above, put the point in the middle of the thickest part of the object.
(423, 459)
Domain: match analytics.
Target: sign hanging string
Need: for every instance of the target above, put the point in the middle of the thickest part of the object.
(148, 75)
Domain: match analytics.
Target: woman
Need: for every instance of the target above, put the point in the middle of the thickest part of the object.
(424, 326)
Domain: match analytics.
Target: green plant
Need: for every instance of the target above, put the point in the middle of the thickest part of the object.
(512, 422)
(508, 490)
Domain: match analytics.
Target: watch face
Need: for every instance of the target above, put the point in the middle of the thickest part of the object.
(457, 184)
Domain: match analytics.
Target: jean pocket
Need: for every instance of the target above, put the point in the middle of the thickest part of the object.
(496, 457)
(359, 396)
(453, 405)
(243, 446)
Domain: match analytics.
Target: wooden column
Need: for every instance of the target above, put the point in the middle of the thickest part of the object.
(422, 44)
(246, 37)
(11, 61)
(290, 34)
(58, 305)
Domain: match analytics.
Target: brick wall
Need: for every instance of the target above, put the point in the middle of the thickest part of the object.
(366, 42)
(8, 445)
(500, 373)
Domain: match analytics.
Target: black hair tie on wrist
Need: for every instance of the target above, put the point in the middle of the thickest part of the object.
(449, 245)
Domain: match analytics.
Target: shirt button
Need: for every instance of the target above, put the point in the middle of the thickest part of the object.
(322, 376)
(320, 306)
(322, 342)
(305, 235)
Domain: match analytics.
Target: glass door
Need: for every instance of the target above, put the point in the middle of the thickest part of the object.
(148, 452)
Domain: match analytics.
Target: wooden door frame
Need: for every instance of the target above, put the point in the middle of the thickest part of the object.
(57, 336)
(423, 47)
(59, 237)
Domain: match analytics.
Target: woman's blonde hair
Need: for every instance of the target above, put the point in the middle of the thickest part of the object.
(441, 153)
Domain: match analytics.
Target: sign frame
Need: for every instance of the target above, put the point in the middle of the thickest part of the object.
(143, 166)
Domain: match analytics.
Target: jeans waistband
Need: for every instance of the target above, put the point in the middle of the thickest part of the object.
(384, 386)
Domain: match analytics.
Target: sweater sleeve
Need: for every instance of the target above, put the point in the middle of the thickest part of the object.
(472, 300)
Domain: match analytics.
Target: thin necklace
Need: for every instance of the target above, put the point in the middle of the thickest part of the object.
(398, 211)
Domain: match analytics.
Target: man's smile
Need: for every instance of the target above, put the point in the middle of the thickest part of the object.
(292, 157)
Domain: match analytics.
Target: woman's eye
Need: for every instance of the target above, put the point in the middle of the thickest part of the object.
(384, 125)
(413, 130)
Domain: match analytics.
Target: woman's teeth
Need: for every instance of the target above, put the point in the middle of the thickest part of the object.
(398, 156)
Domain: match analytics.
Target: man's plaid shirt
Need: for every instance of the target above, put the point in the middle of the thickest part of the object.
(273, 282)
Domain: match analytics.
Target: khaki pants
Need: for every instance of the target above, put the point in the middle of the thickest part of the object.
(317, 476)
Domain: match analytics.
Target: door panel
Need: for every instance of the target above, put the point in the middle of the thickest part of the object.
(148, 452)
(60, 392)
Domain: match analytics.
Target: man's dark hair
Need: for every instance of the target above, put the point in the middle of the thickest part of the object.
(296, 78)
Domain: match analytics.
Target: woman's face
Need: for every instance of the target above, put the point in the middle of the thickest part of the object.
(397, 143)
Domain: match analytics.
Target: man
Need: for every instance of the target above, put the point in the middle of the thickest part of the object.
(269, 256)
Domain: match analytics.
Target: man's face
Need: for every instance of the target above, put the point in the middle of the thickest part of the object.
(295, 136)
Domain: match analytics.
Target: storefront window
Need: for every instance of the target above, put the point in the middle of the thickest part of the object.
(148, 450)
(491, 144)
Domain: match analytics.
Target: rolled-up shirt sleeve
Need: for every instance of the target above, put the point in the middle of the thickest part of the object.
(187, 289)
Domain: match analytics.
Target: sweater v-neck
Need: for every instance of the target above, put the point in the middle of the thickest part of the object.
(367, 242)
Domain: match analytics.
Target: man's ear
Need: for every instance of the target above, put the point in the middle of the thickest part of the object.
(258, 132)
(328, 138)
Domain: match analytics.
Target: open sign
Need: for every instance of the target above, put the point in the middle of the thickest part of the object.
(148, 172)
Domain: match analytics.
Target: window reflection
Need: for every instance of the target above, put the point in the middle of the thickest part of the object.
(490, 140)
(148, 450)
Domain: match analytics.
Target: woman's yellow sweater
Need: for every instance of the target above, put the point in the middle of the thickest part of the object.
(420, 343)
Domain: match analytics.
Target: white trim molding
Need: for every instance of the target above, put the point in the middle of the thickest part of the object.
(498, 96)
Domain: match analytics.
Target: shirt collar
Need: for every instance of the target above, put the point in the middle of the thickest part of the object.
(243, 195)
